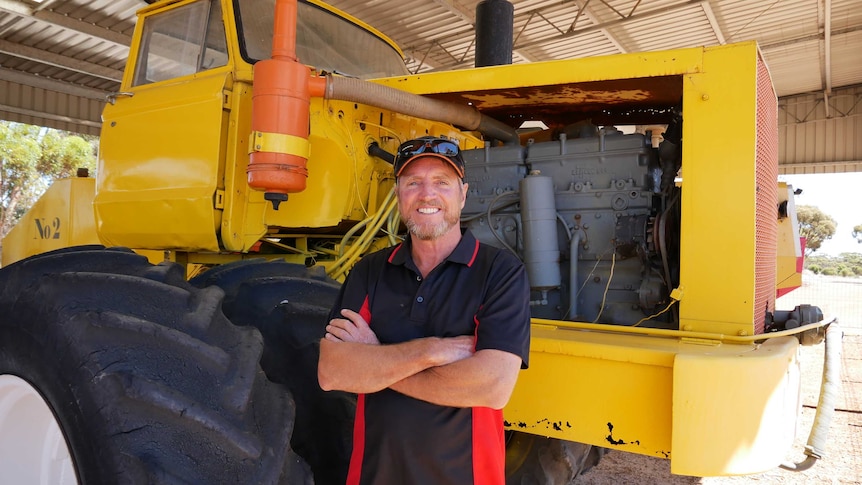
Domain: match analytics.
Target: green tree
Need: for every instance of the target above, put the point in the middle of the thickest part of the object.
(857, 233)
(845, 264)
(31, 158)
(815, 225)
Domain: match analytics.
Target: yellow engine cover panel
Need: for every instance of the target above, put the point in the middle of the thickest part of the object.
(605, 389)
(735, 416)
(712, 408)
(62, 217)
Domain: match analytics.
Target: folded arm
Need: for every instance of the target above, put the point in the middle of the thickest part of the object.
(443, 371)
(352, 360)
(486, 378)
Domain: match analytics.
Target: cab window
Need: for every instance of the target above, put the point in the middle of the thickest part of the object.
(180, 42)
(324, 41)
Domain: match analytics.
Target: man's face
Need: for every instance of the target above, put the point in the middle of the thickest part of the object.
(430, 198)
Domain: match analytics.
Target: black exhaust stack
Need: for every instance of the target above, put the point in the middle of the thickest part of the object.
(495, 23)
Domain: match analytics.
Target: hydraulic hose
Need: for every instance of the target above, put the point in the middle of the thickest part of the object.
(359, 91)
(374, 222)
(375, 151)
(816, 447)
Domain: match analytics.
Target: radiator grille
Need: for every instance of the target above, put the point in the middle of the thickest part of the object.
(766, 201)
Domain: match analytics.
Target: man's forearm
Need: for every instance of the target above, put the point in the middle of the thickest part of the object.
(363, 368)
(485, 379)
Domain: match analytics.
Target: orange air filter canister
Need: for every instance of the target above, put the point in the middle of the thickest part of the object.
(280, 111)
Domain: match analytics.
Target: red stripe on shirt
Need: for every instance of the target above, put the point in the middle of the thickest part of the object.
(475, 252)
(365, 311)
(358, 442)
(489, 442)
(489, 447)
(394, 251)
(476, 330)
(355, 470)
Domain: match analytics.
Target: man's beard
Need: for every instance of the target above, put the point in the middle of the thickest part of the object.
(430, 232)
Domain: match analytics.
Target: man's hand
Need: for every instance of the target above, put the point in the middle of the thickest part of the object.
(352, 329)
(453, 349)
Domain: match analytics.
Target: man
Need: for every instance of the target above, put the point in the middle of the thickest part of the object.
(431, 335)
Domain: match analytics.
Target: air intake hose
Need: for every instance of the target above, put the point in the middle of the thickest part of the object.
(816, 447)
(359, 91)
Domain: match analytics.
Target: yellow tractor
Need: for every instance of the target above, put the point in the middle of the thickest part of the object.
(159, 322)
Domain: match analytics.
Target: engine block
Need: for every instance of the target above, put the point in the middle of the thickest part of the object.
(580, 213)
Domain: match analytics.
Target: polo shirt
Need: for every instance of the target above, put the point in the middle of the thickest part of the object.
(478, 290)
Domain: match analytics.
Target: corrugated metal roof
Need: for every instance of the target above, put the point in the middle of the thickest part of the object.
(816, 137)
(791, 32)
(78, 47)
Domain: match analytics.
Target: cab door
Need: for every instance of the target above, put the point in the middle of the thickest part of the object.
(163, 137)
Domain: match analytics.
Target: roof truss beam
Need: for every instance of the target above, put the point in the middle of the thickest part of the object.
(20, 10)
(35, 81)
(571, 31)
(57, 60)
(469, 17)
(605, 32)
(713, 22)
(49, 116)
(604, 25)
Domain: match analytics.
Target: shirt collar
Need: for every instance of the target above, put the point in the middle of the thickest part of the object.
(464, 253)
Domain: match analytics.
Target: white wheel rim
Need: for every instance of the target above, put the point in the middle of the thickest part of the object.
(33, 450)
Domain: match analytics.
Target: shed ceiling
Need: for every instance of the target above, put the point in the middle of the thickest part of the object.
(59, 58)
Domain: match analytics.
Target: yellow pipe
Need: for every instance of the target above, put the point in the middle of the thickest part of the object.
(658, 332)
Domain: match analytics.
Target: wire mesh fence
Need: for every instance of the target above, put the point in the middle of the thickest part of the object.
(837, 296)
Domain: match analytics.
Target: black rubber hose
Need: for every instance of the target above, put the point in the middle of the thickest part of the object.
(375, 151)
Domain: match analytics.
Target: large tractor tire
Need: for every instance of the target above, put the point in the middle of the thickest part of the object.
(537, 460)
(290, 305)
(140, 378)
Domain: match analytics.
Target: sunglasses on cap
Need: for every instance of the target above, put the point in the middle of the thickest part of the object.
(429, 146)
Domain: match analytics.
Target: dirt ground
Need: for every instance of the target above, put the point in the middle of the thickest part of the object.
(840, 297)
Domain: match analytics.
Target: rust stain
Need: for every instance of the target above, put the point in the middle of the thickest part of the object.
(545, 422)
(610, 438)
(562, 96)
(626, 101)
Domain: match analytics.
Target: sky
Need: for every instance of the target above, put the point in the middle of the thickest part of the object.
(839, 195)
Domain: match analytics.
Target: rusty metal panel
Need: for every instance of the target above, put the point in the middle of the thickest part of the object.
(655, 98)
